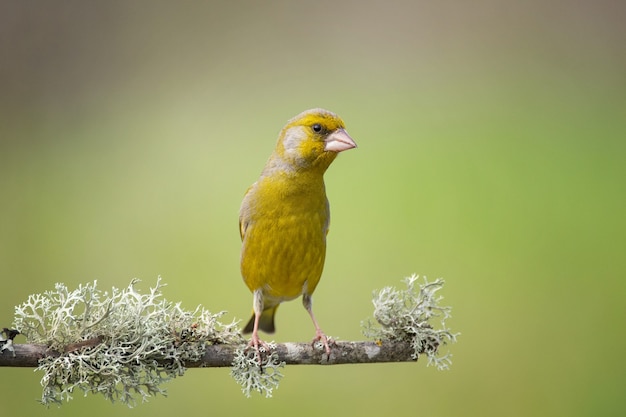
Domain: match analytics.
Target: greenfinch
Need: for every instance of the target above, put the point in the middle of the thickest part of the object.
(284, 219)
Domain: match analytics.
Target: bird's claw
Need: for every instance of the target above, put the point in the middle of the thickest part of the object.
(259, 346)
(324, 340)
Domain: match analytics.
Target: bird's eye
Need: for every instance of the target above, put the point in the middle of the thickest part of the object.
(317, 128)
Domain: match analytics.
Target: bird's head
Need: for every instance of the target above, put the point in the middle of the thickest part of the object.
(312, 140)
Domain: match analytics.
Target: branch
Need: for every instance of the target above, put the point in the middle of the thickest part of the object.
(125, 344)
(219, 356)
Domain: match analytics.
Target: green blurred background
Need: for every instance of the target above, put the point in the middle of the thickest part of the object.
(492, 139)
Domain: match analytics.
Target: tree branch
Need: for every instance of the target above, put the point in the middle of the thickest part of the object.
(28, 355)
(125, 344)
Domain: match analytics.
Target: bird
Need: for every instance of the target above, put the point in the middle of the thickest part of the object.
(284, 219)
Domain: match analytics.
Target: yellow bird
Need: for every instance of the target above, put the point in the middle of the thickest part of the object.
(284, 219)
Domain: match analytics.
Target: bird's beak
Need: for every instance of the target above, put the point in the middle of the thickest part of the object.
(339, 141)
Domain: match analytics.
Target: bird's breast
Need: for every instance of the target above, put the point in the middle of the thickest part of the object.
(284, 243)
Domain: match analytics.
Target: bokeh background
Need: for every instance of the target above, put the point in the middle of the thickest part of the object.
(492, 139)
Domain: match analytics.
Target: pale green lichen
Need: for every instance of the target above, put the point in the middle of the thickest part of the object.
(124, 344)
(252, 376)
(408, 314)
(141, 340)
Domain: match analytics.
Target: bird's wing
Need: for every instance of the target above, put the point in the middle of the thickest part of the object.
(242, 228)
(243, 214)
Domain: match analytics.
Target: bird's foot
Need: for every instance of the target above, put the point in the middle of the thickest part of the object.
(324, 340)
(259, 347)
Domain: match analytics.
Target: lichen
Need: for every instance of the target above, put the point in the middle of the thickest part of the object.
(253, 376)
(408, 314)
(121, 344)
(124, 344)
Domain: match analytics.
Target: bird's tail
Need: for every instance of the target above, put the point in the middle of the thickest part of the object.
(266, 321)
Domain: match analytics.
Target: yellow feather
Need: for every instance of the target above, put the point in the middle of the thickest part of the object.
(284, 216)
